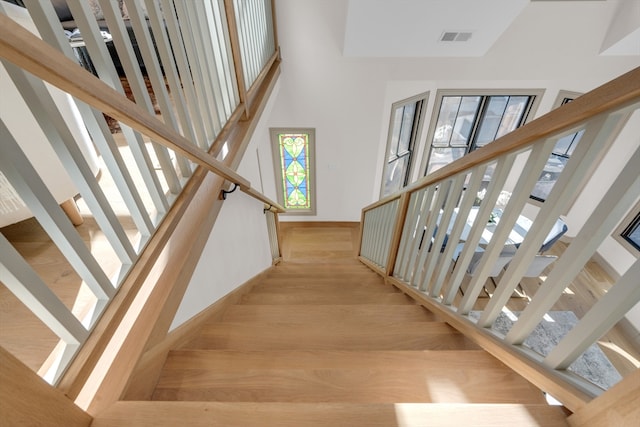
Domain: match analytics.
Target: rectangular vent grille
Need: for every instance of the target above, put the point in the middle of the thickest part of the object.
(455, 36)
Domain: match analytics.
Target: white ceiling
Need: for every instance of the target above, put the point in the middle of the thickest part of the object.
(413, 28)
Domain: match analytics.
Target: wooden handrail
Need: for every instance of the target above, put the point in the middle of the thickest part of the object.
(613, 95)
(267, 201)
(251, 92)
(21, 47)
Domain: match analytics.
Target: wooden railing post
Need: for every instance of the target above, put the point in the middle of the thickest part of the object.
(234, 39)
(401, 216)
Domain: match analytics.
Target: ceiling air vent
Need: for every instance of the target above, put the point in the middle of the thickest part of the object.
(455, 36)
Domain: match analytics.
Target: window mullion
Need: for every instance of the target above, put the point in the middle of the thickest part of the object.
(481, 112)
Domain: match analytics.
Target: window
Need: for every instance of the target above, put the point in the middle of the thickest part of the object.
(558, 159)
(404, 129)
(628, 232)
(632, 232)
(465, 122)
(293, 154)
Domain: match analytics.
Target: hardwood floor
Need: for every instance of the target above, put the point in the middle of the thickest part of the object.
(308, 242)
(291, 344)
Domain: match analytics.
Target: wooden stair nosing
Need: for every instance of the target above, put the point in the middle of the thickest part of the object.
(345, 336)
(198, 359)
(206, 414)
(373, 314)
(382, 385)
(346, 297)
(323, 288)
(340, 376)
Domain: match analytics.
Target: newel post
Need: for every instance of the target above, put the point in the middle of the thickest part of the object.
(401, 216)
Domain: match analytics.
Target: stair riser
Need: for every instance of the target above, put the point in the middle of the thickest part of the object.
(369, 314)
(326, 298)
(206, 414)
(349, 385)
(347, 336)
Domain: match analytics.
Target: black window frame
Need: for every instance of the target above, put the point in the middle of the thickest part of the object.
(392, 156)
(563, 154)
(533, 95)
(629, 229)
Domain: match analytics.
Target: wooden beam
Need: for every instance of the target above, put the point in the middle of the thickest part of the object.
(27, 400)
(618, 406)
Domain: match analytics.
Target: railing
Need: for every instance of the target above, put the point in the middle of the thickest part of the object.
(183, 60)
(272, 229)
(428, 238)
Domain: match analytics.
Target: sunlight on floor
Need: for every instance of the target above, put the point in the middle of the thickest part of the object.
(453, 414)
(445, 390)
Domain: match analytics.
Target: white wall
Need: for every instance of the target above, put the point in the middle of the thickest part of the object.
(238, 247)
(237, 250)
(348, 100)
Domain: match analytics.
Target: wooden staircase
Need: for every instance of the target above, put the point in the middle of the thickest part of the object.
(331, 345)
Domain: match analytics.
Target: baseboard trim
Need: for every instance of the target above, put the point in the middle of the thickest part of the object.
(293, 224)
(146, 373)
(602, 262)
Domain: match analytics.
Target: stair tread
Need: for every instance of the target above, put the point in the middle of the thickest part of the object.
(196, 359)
(341, 376)
(345, 335)
(200, 414)
(319, 297)
(374, 314)
(321, 285)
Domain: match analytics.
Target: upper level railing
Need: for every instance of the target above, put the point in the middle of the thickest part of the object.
(441, 241)
(124, 163)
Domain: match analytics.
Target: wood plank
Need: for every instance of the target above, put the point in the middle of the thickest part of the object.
(324, 242)
(146, 373)
(205, 414)
(238, 360)
(318, 286)
(27, 400)
(340, 336)
(372, 314)
(617, 407)
(336, 297)
(341, 378)
(326, 270)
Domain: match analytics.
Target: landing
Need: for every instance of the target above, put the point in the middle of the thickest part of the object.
(320, 242)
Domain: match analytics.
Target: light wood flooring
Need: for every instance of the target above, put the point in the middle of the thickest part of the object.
(331, 242)
(25, 336)
(322, 340)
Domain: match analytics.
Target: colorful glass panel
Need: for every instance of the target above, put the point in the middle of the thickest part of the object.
(294, 156)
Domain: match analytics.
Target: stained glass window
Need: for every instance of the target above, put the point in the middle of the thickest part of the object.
(294, 169)
(294, 149)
